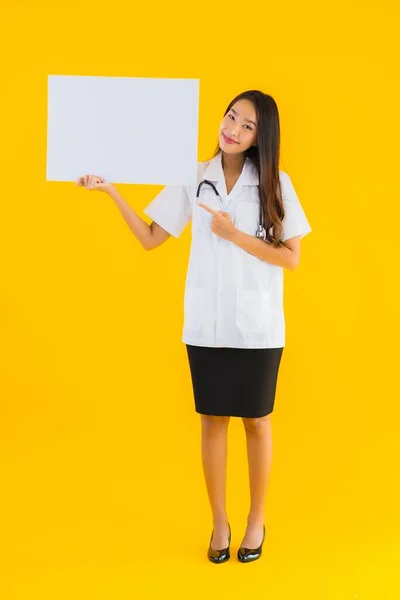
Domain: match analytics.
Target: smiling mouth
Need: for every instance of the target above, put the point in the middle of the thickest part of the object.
(229, 140)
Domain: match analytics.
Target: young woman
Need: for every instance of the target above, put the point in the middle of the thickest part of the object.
(247, 223)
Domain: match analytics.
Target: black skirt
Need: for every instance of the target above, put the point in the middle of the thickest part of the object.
(236, 382)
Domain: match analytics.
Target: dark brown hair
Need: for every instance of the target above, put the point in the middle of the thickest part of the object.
(265, 160)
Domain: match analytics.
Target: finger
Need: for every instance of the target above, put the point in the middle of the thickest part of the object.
(207, 208)
(98, 181)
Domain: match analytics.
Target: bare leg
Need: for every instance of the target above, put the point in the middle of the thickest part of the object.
(214, 431)
(259, 453)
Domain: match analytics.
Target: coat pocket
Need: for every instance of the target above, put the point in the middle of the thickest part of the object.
(247, 217)
(195, 307)
(253, 311)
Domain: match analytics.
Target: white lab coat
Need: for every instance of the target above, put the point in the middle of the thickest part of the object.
(232, 298)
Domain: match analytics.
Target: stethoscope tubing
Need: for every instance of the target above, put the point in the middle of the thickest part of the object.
(260, 233)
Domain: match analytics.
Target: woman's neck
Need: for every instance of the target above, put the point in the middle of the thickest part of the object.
(232, 163)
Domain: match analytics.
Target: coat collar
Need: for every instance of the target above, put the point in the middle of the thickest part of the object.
(214, 172)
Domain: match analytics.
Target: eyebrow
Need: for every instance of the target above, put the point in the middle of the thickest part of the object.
(249, 120)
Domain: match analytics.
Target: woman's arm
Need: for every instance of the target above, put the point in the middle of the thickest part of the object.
(149, 236)
(287, 255)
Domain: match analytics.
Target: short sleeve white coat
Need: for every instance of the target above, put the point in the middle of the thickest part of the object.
(232, 298)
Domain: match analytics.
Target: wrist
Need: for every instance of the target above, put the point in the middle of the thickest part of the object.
(112, 191)
(235, 237)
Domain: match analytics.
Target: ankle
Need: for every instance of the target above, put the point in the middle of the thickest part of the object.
(255, 519)
(220, 520)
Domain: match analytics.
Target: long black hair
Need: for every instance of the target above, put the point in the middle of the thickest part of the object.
(265, 159)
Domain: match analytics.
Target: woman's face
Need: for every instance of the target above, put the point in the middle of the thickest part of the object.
(239, 124)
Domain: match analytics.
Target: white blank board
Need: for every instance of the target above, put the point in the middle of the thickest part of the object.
(125, 129)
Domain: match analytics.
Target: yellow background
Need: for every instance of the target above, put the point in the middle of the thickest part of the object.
(102, 487)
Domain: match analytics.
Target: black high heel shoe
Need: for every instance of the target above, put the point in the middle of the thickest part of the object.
(249, 554)
(219, 556)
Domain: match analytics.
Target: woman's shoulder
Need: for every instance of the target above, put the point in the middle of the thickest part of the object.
(284, 176)
(203, 164)
(201, 167)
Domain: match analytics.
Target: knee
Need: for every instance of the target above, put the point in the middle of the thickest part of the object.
(212, 424)
(256, 426)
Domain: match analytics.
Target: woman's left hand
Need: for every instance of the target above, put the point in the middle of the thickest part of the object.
(221, 223)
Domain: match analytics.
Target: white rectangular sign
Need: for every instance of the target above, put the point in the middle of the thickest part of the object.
(125, 129)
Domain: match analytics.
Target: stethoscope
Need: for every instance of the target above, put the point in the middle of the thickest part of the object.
(260, 233)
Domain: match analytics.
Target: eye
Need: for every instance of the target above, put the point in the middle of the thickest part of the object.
(251, 129)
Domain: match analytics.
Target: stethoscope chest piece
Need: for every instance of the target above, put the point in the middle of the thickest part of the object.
(261, 233)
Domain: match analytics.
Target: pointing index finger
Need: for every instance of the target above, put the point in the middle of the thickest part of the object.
(207, 208)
